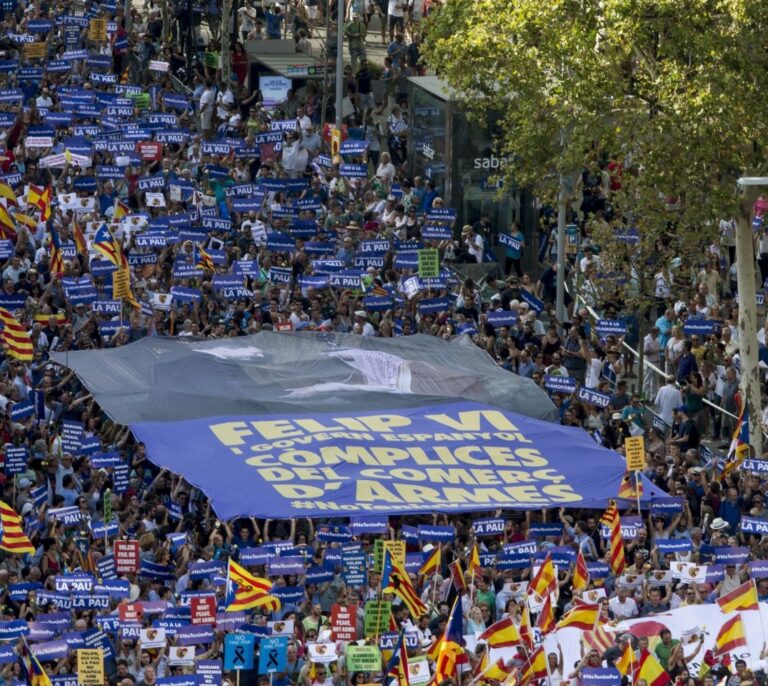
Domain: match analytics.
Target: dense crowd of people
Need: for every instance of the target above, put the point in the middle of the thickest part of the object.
(233, 216)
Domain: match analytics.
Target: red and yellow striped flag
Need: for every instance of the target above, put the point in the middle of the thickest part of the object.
(611, 519)
(432, 563)
(648, 668)
(545, 622)
(13, 539)
(742, 597)
(537, 666)
(580, 573)
(15, 337)
(544, 581)
(625, 663)
(502, 634)
(582, 617)
(730, 636)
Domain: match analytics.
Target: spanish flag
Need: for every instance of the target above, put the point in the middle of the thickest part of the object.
(502, 634)
(29, 222)
(526, 631)
(580, 573)
(121, 210)
(432, 563)
(611, 519)
(625, 663)
(648, 668)
(545, 581)
(537, 666)
(545, 622)
(15, 337)
(583, 617)
(457, 574)
(7, 224)
(13, 539)
(9, 194)
(730, 636)
(743, 597)
(41, 199)
(473, 564)
(498, 671)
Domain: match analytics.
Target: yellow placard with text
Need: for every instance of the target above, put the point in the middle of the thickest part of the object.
(634, 450)
(90, 666)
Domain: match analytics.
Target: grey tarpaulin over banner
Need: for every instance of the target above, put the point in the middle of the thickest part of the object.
(167, 379)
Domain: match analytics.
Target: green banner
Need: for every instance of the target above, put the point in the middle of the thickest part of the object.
(376, 619)
(429, 263)
(363, 659)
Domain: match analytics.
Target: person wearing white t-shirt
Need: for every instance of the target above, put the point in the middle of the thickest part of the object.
(622, 606)
(395, 14)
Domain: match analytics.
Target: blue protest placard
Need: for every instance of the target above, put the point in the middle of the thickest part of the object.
(15, 459)
(668, 546)
(273, 654)
(441, 534)
(753, 525)
(238, 651)
(488, 527)
(600, 676)
(354, 568)
(560, 384)
(593, 397)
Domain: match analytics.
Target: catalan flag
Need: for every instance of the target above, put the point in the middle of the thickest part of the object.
(380, 290)
(625, 663)
(109, 247)
(35, 674)
(544, 581)
(502, 634)
(730, 636)
(13, 539)
(739, 449)
(473, 564)
(545, 622)
(648, 668)
(203, 259)
(432, 563)
(451, 652)
(537, 666)
(268, 603)
(80, 244)
(580, 578)
(57, 258)
(584, 617)
(631, 487)
(15, 337)
(395, 580)
(742, 597)
(244, 590)
(611, 519)
(598, 640)
(60, 317)
(397, 666)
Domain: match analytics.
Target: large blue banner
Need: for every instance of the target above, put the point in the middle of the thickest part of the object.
(452, 457)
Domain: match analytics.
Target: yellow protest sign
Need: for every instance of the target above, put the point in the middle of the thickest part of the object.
(90, 666)
(121, 284)
(34, 51)
(634, 450)
(97, 29)
(397, 551)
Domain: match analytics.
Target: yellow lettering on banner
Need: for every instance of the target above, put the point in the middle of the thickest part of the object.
(470, 421)
(372, 491)
(381, 423)
(231, 433)
(276, 429)
(296, 491)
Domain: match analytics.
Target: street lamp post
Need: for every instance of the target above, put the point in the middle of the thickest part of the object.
(745, 261)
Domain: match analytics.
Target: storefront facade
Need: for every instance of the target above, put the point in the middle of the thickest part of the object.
(457, 154)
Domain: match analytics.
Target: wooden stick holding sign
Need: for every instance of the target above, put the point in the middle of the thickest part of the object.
(634, 451)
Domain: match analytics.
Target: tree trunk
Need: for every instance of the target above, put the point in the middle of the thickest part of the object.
(750, 372)
(641, 337)
(226, 49)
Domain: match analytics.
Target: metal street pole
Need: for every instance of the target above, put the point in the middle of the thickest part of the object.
(560, 300)
(745, 261)
(339, 61)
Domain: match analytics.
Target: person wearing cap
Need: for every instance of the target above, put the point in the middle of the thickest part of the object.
(362, 325)
(472, 247)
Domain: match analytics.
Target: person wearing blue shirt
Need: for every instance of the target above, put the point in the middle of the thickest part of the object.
(664, 325)
(686, 365)
(730, 509)
(274, 22)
